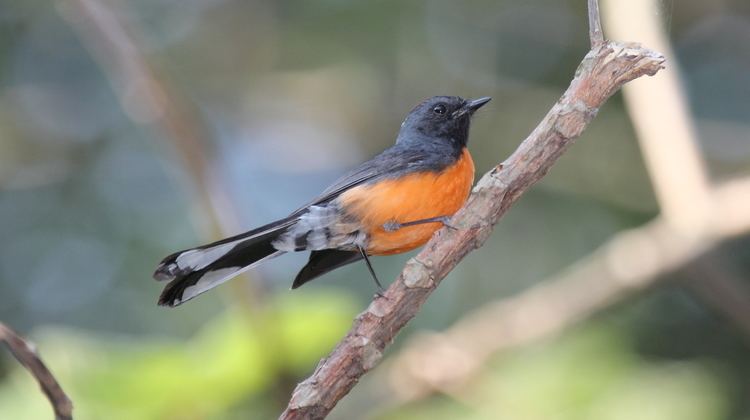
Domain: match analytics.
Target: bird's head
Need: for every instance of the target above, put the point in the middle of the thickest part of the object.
(441, 118)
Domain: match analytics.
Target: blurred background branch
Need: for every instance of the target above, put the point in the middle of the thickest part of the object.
(148, 99)
(660, 113)
(26, 354)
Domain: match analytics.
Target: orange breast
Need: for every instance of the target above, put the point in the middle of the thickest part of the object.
(412, 197)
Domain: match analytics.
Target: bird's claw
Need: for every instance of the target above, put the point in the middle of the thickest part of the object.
(380, 294)
(446, 221)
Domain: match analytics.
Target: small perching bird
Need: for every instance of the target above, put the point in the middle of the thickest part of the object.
(392, 203)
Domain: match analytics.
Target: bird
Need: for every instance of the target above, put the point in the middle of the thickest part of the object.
(390, 204)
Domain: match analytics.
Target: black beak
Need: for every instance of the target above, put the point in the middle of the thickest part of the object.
(475, 104)
(471, 106)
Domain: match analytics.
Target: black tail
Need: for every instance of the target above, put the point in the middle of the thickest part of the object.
(321, 262)
(194, 271)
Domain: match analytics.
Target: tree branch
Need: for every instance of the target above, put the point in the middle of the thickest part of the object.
(601, 73)
(27, 355)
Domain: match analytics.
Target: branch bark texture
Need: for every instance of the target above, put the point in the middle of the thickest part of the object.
(27, 355)
(601, 73)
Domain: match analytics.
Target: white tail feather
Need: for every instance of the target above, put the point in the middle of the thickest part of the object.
(196, 259)
(213, 278)
(193, 260)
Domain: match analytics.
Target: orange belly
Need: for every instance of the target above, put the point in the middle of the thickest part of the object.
(416, 196)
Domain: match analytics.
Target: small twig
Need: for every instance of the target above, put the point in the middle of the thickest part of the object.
(596, 36)
(26, 354)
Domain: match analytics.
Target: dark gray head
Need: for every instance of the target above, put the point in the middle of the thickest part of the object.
(442, 118)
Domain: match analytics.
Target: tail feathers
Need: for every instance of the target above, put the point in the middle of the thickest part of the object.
(181, 290)
(194, 271)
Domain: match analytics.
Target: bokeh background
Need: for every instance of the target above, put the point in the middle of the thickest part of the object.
(155, 125)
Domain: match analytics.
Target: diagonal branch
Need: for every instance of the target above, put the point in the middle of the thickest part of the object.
(27, 355)
(601, 73)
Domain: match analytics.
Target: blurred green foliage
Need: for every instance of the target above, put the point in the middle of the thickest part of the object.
(592, 373)
(232, 358)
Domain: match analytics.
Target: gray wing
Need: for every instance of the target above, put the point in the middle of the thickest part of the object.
(392, 162)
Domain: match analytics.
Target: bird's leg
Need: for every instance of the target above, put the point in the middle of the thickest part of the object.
(381, 290)
(393, 226)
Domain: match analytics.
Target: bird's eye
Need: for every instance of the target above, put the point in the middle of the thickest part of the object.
(439, 109)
